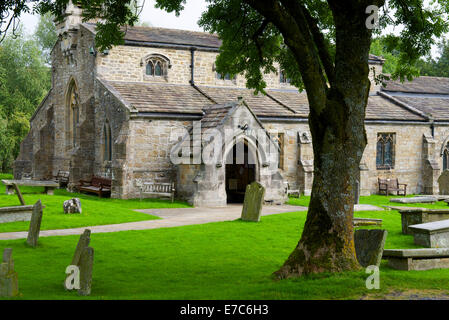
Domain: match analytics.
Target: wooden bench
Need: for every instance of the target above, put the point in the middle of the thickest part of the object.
(432, 234)
(158, 189)
(62, 177)
(49, 186)
(392, 185)
(417, 259)
(291, 191)
(98, 185)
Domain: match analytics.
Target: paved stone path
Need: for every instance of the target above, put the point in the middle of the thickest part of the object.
(172, 217)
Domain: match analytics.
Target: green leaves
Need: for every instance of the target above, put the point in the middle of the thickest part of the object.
(24, 81)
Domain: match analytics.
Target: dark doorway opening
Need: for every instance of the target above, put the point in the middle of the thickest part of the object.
(239, 173)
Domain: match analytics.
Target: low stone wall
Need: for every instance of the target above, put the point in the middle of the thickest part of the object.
(13, 214)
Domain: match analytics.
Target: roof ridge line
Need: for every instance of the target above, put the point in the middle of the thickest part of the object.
(281, 103)
(203, 93)
(405, 105)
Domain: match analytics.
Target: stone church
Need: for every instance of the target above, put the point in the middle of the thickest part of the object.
(114, 114)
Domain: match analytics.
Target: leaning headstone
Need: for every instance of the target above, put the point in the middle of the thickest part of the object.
(35, 224)
(443, 182)
(72, 206)
(9, 286)
(252, 205)
(86, 264)
(83, 243)
(19, 194)
(369, 246)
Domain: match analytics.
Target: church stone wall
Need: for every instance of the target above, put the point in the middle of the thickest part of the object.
(148, 154)
(124, 63)
(408, 165)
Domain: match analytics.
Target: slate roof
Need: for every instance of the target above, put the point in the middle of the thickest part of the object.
(215, 115)
(424, 85)
(379, 108)
(185, 99)
(261, 105)
(153, 35)
(438, 108)
(429, 95)
(164, 98)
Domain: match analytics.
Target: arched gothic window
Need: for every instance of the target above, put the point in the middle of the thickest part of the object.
(283, 77)
(74, 115)
(446, 157)
(107, 142)
(385, 151)
(156, 66)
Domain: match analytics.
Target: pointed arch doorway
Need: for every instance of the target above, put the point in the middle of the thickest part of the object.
(241, 170)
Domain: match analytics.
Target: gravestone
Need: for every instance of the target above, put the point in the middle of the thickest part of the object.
(431, 234)
(369, 246)
(252, 205)
(443, 182)
(35, 224)
(417, 259)
(86, 264)
(418, 199)
(72, 206)
(9, 286)
(19, 194)
(83, 243)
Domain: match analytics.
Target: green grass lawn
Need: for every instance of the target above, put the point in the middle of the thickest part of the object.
(224, 260)
(96, 211)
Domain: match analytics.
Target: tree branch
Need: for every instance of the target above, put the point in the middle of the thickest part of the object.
(302, 46)
(256, 36)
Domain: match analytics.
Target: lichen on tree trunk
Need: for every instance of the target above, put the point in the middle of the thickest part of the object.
(327, 241)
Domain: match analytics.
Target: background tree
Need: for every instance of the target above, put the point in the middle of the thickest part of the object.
(24, 81)
(438, 67)
(45, 35)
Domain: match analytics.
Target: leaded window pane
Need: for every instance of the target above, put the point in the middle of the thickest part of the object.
(445, 156)
(158, 69)
(385, 151)
(379, 159)
(388, 153)
(150, 70)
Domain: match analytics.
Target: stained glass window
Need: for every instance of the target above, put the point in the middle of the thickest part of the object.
(446, 157)
(385, 151)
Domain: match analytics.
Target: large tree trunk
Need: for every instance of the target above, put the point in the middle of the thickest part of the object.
(327, 242)
(339, 139)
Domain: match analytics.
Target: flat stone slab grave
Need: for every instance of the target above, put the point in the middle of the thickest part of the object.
(421, 199)
(367, 207)
(411, 216)
(431, 234)
(417, 259)
(358, 222)
(49, 186)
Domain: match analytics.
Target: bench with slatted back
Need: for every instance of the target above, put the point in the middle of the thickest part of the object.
(158, 189)
(388, 186)
(62, 177)
(98, 185)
